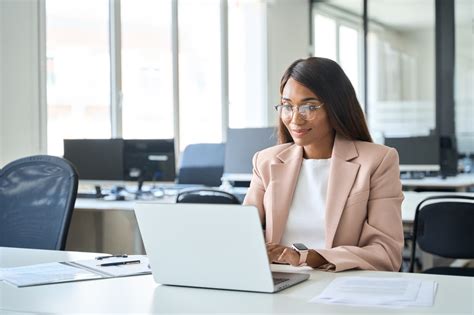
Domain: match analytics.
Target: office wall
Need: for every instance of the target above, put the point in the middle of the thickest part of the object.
(288, 25)
(19, 80)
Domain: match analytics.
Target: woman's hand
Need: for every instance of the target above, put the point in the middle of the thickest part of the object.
(282, 254)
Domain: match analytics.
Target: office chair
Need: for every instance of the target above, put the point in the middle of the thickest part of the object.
(443, 227)
(202, 164)
(204, 195)
(37, 196)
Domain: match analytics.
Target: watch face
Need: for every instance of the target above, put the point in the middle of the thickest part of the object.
(300, 246)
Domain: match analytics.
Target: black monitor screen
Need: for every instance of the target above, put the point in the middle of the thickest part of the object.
(149, 160)
(98, 159)
(417, 153)
(242, 144)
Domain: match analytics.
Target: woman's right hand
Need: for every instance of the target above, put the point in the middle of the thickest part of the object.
(282, 254)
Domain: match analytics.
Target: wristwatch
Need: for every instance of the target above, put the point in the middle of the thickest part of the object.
(303, 251)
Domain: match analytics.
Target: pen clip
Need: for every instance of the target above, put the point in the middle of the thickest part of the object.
(119, 263)
(111, 256)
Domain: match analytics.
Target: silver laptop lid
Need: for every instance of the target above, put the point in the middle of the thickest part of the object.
(204, 245)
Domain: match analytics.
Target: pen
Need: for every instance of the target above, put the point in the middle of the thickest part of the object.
(110, 256)
(118, 263)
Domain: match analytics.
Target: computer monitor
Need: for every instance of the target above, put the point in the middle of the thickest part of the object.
(417, 154)
(96, 159)
(149, 160)
(240, 147)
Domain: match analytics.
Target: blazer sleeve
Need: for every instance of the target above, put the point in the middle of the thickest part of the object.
(381, 240)
(256, 190)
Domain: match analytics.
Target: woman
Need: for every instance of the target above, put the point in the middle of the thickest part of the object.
(326, 186)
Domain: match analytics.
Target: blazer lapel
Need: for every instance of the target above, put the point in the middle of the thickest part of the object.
(283, 179)
(342, 175)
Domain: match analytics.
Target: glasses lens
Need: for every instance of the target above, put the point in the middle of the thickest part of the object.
(311, 112)
(286, 111)
(306, 112)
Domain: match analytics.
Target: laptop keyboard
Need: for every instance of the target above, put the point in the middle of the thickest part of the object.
(279, 280)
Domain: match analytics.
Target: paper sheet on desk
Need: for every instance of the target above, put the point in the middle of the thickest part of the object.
(385, 292)
(44, 274)
(116, 271)
(68, 271)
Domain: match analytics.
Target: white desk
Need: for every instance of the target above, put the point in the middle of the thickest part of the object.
(461, 182)
(141, 294)
(412, 199)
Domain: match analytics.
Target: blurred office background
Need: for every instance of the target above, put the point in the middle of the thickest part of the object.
(189, 69)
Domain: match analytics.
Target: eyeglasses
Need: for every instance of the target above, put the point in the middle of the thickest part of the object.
(306, 112)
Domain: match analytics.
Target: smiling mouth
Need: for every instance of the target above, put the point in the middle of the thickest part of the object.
(300, 132)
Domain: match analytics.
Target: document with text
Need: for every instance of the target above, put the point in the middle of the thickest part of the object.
(371, 291)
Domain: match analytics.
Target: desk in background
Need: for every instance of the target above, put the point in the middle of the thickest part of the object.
(106, 226)
(412, 199)
(460, 183)
(111, 226)
(140, 294)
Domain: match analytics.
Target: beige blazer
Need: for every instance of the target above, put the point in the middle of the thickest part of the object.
(363, 207)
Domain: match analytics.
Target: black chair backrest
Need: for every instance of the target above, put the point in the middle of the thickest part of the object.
(444, 226)
(37, 196)
(206, 196)
(202, 164)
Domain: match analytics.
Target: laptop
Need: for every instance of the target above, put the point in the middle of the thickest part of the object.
(209, 246)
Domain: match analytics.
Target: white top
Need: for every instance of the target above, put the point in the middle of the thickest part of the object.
(307, 214)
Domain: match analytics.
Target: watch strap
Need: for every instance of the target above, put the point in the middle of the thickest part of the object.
(303, 256)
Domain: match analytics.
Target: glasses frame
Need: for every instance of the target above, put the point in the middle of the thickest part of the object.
(280, 107)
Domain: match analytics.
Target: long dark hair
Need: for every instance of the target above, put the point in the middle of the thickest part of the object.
(326, 79)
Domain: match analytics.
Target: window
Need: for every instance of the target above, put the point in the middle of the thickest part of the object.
(247, 64)
(91, 55)
(339, 38)
(401, 68)
(349, 54)
(200, 109)
(325, 44)
(78, 67)
(147, 76)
